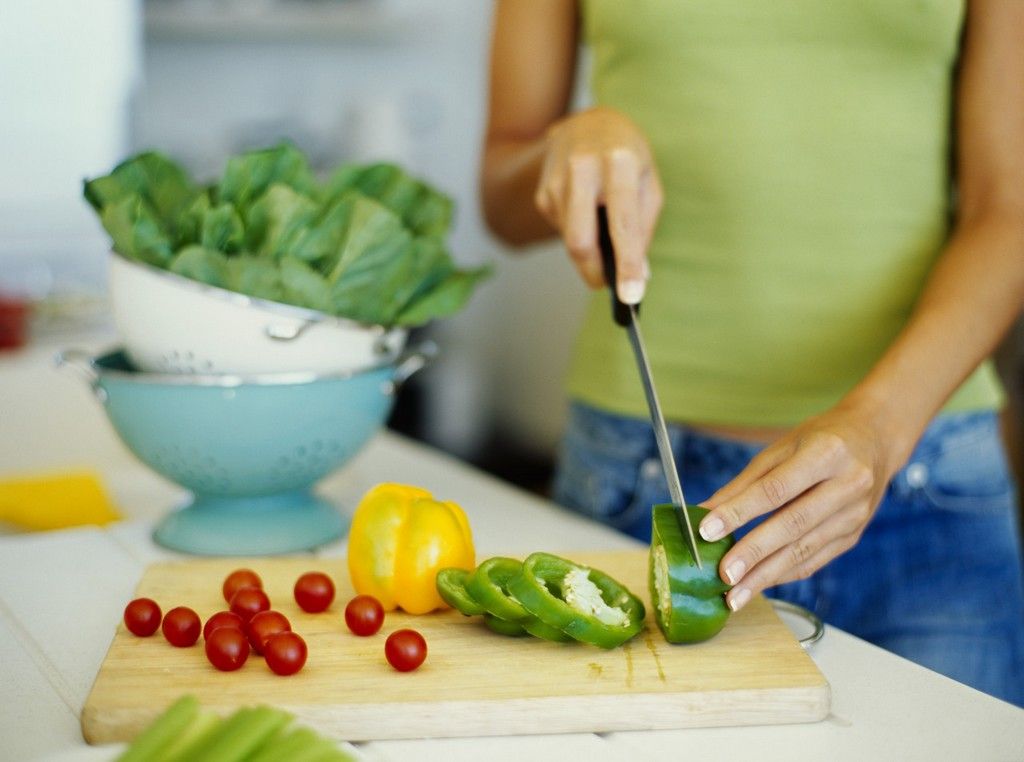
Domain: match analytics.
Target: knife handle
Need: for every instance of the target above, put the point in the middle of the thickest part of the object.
(620, 310)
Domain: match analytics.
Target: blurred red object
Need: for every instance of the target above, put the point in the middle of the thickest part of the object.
(14, 313)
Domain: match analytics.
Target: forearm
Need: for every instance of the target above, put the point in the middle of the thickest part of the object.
(973, 295)
(508, 184)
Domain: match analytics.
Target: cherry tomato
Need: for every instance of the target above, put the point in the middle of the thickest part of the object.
(249, 601)
(227, 648)
(181, 626)
(222, 619)
(405, 650)
(142, 617)
(364, 615)
(314, 592)
(263, 625)
(285, 653)
(238, 579)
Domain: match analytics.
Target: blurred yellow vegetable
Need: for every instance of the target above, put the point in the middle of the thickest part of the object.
(55, 501)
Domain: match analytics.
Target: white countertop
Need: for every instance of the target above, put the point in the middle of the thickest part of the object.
(61, 594)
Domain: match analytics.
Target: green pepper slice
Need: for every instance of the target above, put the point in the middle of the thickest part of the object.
(689, 603)
(451, 586)
(488, 585)
(584, 603)
(503, 627)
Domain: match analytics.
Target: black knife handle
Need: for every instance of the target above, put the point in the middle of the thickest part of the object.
(620, 310)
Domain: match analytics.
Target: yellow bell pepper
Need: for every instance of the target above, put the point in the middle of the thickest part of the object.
(400, 537)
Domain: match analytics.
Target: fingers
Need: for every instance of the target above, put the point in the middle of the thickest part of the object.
(622, 197)
(651, 199)
(794, 527)
(788, 564)
(599, 157)
(755, 469)
(579, 228)
(771, 490)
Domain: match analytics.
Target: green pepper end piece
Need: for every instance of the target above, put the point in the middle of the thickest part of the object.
(488, 586)
(451, 586)
(689, 603)
(503, 627)
(553, 590)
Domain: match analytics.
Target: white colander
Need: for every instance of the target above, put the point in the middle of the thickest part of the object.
(173, 324)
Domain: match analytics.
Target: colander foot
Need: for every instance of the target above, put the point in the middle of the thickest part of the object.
(251, 526)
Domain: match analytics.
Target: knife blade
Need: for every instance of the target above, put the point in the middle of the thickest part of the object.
(626, 316)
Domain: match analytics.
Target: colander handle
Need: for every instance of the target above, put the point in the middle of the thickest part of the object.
(79, 361)
(286, 331)
(413, 361)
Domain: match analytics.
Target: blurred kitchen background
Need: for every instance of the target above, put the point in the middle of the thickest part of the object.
(83, 84)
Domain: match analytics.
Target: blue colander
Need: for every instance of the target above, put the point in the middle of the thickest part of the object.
(249, 448)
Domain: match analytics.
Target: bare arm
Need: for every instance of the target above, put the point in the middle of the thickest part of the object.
(825, 479)
(545, 172)
(533, 63)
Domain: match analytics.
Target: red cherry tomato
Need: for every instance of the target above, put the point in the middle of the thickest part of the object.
(285, 653)
(314, 592)
(181, 626)
(248, 602)
(142, 617)
(227, 648)
(222, 619)
(263, 625)
(364, 615)
(405, 650)
(238, 579)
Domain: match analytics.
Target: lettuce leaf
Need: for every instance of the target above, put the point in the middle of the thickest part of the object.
(201, 264)
(278, 220)
(446, 298)
(136, 230)
(249, 175)
(366, 245)
(159, 182)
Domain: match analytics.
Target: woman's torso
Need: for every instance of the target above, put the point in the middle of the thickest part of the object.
(804, 147)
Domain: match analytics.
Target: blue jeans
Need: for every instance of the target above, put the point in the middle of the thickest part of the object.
(936, 577)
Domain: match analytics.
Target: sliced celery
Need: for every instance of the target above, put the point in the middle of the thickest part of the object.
(152, 742)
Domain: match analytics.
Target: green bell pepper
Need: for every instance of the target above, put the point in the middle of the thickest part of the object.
(689, 603)
(451, 586)
(488, 585)
(582, 602)
(502, 627)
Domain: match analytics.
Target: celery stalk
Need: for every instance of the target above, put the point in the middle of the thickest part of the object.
(205, 726)
(286, 745)
(240, 735)
(151, 742)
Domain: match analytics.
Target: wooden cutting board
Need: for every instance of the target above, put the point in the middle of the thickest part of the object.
(473, 683)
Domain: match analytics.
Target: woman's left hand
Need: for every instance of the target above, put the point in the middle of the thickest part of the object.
(822, 482)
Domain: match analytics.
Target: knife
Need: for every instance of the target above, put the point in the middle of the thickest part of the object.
(626, 316)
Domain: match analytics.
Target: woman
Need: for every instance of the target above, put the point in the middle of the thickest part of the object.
(817, 303)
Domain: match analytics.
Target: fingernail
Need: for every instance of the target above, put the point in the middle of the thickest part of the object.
(738, 598)
(647, 270)
(712, 529)
(631, 291)
(735, 571)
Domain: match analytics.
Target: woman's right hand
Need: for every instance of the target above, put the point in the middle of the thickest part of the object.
(600, 157)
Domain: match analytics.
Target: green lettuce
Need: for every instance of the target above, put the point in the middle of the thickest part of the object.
(368, 244)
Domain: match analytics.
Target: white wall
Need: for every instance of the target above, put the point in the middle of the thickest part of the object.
(67, 70)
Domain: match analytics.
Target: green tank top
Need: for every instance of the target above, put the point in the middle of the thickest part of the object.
(804, 147)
